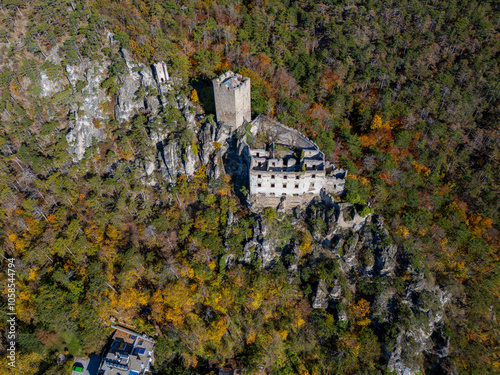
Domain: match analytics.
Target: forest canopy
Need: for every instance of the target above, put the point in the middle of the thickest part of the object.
(403, 95)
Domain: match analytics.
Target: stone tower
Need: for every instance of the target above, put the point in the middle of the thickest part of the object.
(232, 99)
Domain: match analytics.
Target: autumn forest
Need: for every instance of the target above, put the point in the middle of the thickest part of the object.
(404, 95)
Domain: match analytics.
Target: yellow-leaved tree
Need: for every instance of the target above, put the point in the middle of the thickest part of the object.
(172, 304)
(360, 310)
(194, 96)
(376, 122)
(25, 364)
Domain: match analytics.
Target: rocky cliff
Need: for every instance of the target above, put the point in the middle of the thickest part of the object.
(406, 304)
(369, 261)
(89, 108)
(138, 92)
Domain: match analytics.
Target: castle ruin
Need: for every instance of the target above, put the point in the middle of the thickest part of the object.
(161, 72)
(285, 168)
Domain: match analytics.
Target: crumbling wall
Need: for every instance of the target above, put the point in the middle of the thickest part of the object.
(285, 203)
(161, 72)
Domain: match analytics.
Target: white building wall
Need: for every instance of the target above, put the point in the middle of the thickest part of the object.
(307, 184)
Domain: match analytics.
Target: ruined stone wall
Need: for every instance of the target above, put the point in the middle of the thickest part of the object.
(287, 203)
(335, 183)
(259, 152)
(327, 198)
(161, 72)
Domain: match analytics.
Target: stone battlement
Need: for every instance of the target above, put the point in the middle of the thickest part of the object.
(235, 81)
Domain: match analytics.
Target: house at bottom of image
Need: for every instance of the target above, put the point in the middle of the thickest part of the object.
(129, 354)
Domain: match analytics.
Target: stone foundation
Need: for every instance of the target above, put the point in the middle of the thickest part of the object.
(286, 203)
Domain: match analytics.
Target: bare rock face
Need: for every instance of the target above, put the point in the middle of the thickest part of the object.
(95, 107)
(336, 292)
(262, 246)
(221, 146)
(190, 161)
(48, 86)
(398, 364)
(53, 55)
(422, 333)
(349, 259)
(136, 75)
(213, 142)
(328, 296)
(153, 105)
(130, 82)
(387, 260)
(362, 247)
(89, 116)
(321, 298)
(140, 90)
(207, 138)
(175, 160)
(338, 217)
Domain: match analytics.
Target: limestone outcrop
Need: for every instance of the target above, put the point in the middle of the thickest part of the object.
(425, 303)
(262, 246)
(89, 116)
(175, 160)
(93, 107)
(136, 75)
(48, 86)
(362, 247)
